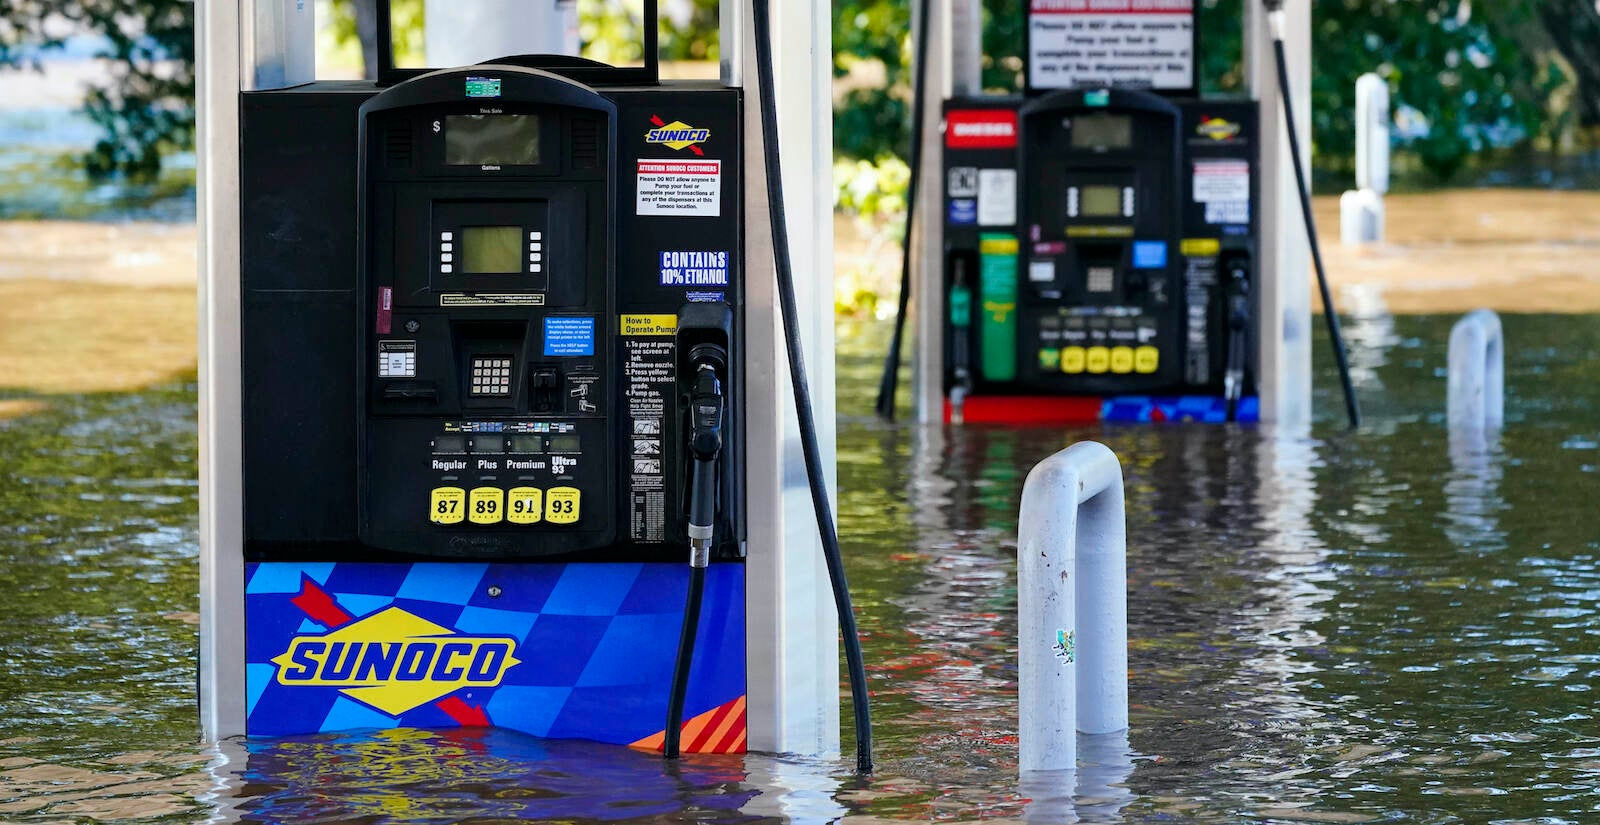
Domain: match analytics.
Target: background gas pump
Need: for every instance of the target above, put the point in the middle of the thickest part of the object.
(1106, 229)
(492, 333)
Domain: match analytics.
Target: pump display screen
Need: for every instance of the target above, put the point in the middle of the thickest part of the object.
(1102, 132)
(491, 250)
(1102, 201)
(491, 140)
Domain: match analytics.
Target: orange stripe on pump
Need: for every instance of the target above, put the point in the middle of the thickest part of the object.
(719, 730)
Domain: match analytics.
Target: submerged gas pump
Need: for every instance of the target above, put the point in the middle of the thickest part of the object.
(492, 331)
(1099, 238)
(1100, 231)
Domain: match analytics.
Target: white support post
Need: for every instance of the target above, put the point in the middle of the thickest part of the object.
(1072, 605)
(1284, 319)
(221, 491)
(1477, 379)
(792, 640)
(927, 255)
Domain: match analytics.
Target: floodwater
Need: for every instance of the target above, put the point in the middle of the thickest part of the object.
(1379, 626)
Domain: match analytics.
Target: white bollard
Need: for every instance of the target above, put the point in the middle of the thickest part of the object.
(1361, 217)
(1072, 605)
(1361, 212)
(1477, 382)
(1372, 134)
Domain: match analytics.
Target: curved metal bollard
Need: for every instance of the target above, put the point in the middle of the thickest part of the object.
(1477, 382)
(1072, 605)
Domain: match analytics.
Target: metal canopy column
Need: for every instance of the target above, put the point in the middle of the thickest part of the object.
(1284, 324)
(793, 633)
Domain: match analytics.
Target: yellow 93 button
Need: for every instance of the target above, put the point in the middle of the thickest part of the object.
(524, 505)
(561, 505)
(1146, 359)
(486, 505)
(447, 505)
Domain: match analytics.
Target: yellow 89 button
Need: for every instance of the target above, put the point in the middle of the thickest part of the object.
(561, 505)
(447, 505)
(524, 505)
(484, 506)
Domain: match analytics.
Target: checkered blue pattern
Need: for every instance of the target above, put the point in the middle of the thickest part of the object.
(1205, 408)
(596, 643)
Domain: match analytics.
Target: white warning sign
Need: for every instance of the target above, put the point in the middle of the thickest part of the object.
(680, 187)
(1132, 43)
(1224, 187)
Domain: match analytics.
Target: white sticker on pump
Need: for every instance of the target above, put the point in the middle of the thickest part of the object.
(1224, 187)
(680, 187)
(997, 197)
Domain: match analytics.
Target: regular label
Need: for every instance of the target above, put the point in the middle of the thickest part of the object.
(680, 187)
(1139, 43)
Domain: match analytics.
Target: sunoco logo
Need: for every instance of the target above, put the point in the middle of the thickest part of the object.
(677, 135)
(1217, 128)
(395, 661)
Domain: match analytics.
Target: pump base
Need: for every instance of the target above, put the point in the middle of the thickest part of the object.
(566, 651)
(1064, 410)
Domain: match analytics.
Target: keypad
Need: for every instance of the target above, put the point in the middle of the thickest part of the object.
(491, 376)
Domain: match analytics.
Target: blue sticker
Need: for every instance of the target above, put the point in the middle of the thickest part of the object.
(568, 336)
(704, 297)
(694, 269)
(1149, 254)
(963, 210)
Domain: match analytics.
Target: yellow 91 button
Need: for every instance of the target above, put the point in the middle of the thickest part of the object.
(447, 505)
(486, 505)
(561, 505)
(524, 505)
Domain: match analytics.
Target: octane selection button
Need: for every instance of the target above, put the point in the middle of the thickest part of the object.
(486, 505)
(561, 505)
(447, 505)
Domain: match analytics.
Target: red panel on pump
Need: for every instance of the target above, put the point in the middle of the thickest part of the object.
(1028, 409)
(980, 129)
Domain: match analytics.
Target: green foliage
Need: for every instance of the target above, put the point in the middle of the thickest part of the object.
(146, 109)
(1459, 63)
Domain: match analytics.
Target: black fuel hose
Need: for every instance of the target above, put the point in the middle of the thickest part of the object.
(1351, 405)
(889, 383)
(680, 669)
(802, 393)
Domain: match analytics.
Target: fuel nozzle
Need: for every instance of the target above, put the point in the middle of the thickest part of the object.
(706, 408)
(1237, 291)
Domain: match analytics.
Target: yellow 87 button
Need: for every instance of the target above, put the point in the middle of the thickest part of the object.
(447, 505)
(561, 505)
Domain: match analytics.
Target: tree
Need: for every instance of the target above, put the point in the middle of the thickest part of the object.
(1574, 27)
(147, 106)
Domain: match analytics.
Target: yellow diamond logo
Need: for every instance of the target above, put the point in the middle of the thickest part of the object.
(395, 661)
